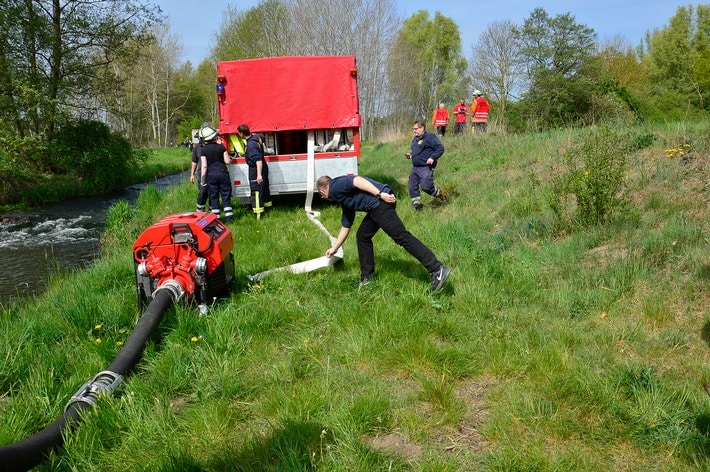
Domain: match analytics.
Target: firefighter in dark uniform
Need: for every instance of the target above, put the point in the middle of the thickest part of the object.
(258, 170)
(214, 174)
(195, 172)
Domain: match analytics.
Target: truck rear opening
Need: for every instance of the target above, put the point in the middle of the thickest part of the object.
(307, 109)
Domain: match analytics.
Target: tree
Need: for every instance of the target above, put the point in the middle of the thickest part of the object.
(677, 57)
(558, 54)
(54, 51)
(362, 28)
(494, 64)
(621, 63)
(624, 77)
(157, 69)
(701, 46)
(426, 64)
(260, 31)
(148, 94)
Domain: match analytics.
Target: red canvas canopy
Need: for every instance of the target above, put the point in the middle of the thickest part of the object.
(288, 93)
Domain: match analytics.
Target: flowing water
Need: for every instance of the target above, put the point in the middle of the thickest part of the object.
(57, 238)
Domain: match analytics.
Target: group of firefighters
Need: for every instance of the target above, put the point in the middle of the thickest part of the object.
(478, 113)
(210, 157)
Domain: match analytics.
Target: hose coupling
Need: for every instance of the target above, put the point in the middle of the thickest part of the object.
(104, 382)
(201, 265)
(172, 286)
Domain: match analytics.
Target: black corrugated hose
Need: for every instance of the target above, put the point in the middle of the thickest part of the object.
(32, 451)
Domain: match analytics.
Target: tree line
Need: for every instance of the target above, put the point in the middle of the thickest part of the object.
(67, 63)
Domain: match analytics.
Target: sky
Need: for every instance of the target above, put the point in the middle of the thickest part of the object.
(630, 19)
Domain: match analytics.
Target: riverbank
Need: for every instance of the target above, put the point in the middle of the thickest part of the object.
(30, 192)
(39, 244)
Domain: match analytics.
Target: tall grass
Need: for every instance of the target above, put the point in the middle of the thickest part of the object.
(553, 347)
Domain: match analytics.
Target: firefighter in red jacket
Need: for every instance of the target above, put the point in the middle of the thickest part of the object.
(460, 112)
(479, 112)
(440, 119)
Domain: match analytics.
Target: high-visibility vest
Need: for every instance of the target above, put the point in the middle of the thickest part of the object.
(237, 144)
(479, 108)
(441, 117)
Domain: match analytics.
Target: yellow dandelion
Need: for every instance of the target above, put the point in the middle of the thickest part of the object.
(97, 327)
(98, 341)
(194, 339)
(119, 343)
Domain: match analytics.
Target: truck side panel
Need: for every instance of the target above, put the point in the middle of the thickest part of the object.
(288, 93)
(294, 102)
(289, 176)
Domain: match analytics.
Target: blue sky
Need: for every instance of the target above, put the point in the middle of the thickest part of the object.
(630, 19)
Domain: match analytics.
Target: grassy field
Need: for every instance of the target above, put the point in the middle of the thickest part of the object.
(557, 344)
(162, 162)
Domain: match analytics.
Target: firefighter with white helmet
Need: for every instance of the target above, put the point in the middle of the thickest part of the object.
(214, 174)
(479, 112)
(195, 170)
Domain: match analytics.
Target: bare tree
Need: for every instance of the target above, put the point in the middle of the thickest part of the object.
(362, 28)
(494, 67)
(149, 97)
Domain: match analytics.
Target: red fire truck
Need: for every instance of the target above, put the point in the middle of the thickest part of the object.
(307, 109)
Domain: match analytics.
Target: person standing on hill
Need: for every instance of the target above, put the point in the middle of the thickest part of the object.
(460, 113)
(426, 151)
(214, 174)
(479, 112)
(440, 119)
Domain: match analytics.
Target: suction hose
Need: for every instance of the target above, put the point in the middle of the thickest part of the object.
(32, 451)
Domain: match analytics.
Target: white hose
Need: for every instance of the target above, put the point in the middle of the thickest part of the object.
(319, 262)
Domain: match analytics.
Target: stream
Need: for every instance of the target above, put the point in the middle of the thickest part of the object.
(57, 238)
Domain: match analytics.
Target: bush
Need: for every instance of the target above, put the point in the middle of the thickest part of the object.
(89, 150)
(13, 183)
(23, 155)
(592, 186)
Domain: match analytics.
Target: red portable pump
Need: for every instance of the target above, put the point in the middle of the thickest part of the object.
(191, 252)
(182, 256)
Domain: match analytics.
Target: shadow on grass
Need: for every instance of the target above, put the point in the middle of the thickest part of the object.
(705, 333)
(294, 446)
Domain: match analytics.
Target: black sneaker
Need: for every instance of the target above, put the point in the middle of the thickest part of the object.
(364, 280)
(417, 206)
(438, 277)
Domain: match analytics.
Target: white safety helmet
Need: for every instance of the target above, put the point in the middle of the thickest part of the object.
(207, 133)
(477, 92)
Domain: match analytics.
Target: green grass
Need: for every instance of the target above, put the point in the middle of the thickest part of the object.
(40, 189)
(555, 346)
(162, 162)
